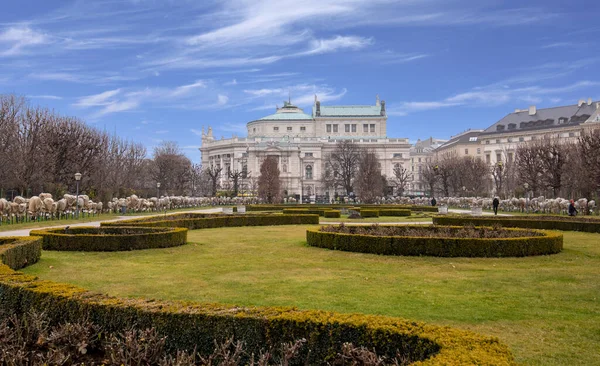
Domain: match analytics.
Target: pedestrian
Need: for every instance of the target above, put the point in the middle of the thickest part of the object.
(433, 201)
(572, 210)
(495, 204)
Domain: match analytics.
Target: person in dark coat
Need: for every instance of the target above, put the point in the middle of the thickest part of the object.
(495, 204)
(572, 210)
(433, 201)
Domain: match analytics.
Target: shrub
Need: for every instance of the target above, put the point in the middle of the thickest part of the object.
(106, 239)
(531, 222)
(188, 326)
(194, 221)
(20, 251)
(393, 212)
(543, 243)
(369, 213)
(297, 211)
(332, 214)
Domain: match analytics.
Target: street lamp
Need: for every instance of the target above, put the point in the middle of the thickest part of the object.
(157, 189)
(77, 179)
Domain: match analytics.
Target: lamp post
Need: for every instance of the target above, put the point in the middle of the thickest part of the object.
(77, 179)
(157, 189)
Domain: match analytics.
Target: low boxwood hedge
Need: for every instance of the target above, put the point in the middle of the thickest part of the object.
(369, 213)
(333, 214)
(340, 206)
(20, 251)
(547, 243)
(297, 211)
(193, 326)
(390, 212)
(201, 221)
(564, 223)
(108, 239)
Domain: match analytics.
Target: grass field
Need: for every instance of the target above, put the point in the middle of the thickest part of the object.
(545, 308)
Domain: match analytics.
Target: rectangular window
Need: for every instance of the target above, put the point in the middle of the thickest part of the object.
(254, 130)
(308, 154)
(372, 128)
(302, 128)
(419, 169)
(365, 128)
(335, 128)
(328, 128)
(498, 157)
(419, 160)
(487, 142)
(275, 128)
(479, 150)
(466, 151)
(347, 128)
(571, 134)
(412, 168)
(397, 155)
(521, 139)
(487, 159)
(510, 157)
(289, 128)
(497, 141)
(353, 128)
(509, 139)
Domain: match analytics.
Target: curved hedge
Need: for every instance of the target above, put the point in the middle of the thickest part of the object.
(369, 213)
(202, 221)
(396, 212)
(340, 206)
(95, 239)
(546, 243)
(565, 223)
(196, 326)
(20, 251)
(307, 211)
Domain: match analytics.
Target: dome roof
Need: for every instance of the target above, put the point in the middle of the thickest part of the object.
(288, 112)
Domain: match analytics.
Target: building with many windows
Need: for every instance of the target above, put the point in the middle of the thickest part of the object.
(421, 154)
(301, 142)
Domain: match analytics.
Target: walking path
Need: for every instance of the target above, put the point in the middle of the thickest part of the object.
(25, 232)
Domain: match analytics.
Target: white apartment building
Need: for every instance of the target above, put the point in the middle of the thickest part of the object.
(301, 142)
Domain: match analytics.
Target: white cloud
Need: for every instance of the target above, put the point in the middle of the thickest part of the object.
(53, 97)
(18, 38)
(222, 99)
(196, 132)
(101, 99)
(319, 46)
(230, 83)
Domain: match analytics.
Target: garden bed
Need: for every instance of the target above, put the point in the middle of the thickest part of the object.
(107, 239)
(436, 241)
(543, 222)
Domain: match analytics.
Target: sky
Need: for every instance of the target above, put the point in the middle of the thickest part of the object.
(160, 70)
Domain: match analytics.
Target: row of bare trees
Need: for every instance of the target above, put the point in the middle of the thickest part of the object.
(41, 150)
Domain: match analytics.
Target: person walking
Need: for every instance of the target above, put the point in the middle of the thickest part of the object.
(433, 201)
(495, 204)
(572, 210)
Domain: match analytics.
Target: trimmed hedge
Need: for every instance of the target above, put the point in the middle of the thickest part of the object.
(340, 206)
(196, 326)
(202, 221)
(333, 214)
(108, 239)
(389, 212)
(20, 251)
(296, 211)
(547, 243)
(526, 222)
(369, 213)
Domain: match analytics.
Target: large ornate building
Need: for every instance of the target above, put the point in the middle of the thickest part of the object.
(301, 142)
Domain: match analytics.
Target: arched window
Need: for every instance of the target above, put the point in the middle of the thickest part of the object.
(308, 172)
(284, 168)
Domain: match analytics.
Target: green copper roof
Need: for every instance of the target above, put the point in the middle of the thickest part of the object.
(286, 117)
(350, 110)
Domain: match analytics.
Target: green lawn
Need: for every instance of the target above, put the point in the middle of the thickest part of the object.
(547, 309)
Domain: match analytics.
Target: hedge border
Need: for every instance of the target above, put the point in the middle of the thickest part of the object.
(369, 213)
(305, 211)
(190, 325)
(395, 212)
(82, 238)
(529, 222)
(548, 243)
(195, 223)
(333, 214)
(20, 251)
(340, 206)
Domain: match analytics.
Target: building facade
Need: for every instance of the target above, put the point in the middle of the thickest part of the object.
(301, 142)
(421, 154)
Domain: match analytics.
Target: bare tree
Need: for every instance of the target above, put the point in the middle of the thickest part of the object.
(214, 173)
(341, 166)
(369, 181)
(430, 177)
(553, 158)
(528, 163)
(269, 184)
(171, 167)
(446, 169)
(236, 176)
(401, 178)
(588, 148)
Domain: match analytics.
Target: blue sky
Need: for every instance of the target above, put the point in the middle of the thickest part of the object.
(155, 70)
